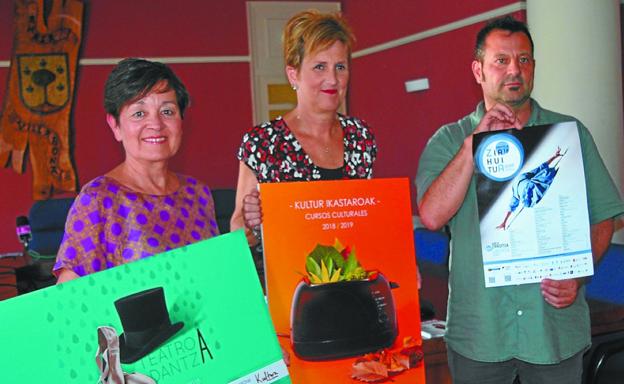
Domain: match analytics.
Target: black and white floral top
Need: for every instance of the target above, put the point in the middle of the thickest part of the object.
(274, 154)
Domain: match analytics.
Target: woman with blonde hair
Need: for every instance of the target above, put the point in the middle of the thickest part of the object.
(313, 141)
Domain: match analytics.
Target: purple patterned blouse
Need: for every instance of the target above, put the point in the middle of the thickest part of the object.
(109, 224)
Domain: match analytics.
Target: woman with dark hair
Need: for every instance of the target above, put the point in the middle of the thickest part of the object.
(139, 208)
(313, 141)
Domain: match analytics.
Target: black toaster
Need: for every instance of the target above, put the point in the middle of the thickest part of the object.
(343, 319)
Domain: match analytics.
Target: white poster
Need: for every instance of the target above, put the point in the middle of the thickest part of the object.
(532, 200)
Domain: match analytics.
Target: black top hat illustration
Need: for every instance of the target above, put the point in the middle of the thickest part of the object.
(145, 322)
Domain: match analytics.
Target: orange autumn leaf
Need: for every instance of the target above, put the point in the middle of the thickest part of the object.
(378, 366)
(389, 360)
(369, 371)
(412, 349)
(396, 365)
(409, 341)
(403, 360)
(413, 355)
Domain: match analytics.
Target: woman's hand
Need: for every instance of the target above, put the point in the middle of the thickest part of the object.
(247, 213)
(65, 275)
(252, 212)
(419, 279)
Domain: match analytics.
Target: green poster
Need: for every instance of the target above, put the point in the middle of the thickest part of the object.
(193, 315)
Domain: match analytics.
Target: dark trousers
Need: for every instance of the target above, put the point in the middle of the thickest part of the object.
(467, 371)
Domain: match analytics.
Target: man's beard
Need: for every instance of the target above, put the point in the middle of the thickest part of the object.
(517, 100)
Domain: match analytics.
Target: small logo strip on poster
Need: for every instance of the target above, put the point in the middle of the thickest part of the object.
(266, 375)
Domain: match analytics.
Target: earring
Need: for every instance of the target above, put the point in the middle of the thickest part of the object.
(294, 87)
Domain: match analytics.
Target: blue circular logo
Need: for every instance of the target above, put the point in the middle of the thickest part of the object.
(500, 157)
(502, 147)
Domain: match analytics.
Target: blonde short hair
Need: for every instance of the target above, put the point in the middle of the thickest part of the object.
(311, 31)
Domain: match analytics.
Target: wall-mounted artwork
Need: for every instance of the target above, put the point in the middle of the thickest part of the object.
(37, 107)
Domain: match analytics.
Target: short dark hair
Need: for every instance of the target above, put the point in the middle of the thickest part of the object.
(506, 23)
(133, 78)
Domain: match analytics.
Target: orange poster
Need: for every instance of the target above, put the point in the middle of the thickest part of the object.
(341, 279)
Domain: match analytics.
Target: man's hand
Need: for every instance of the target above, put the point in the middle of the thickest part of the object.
(560, 293)
(499, 117)
(447, 192)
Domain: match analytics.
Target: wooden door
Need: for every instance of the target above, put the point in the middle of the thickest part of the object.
(271, 92)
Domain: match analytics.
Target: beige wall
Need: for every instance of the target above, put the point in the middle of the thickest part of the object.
(579, 70)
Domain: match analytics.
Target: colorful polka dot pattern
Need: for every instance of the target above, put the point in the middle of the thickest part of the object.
(273, 153)
(110, 224)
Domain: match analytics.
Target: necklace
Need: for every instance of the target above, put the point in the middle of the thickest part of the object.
(325, 148)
